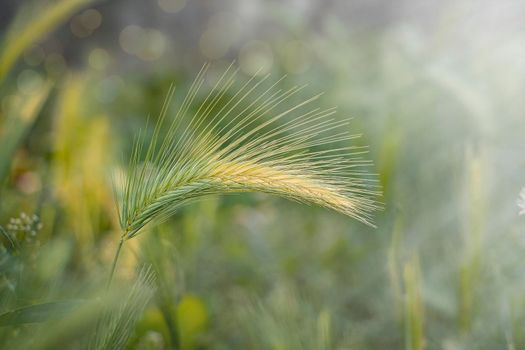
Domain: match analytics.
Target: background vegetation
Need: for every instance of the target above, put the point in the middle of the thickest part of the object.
(435, 88)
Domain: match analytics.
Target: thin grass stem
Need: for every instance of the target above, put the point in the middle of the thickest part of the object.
(114, 264)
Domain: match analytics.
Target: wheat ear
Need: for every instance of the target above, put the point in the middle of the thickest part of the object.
(250, 140)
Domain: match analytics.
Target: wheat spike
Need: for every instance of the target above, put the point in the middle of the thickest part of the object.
(248, 141)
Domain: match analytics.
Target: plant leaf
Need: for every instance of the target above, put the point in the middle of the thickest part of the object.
(19, 122)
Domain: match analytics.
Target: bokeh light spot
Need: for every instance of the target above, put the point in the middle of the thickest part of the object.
(98, 59)
(34, 56)
(146, 43)
(109, 88)
(172, 6)
(256, 58)
(91, 19)
(84, 24)
(223, 31)
(295, 57)
(29, 182)
(213, 44)
(78, 29)
(153, 45)
(55, 64)
(9, 102)
(29, 81)
(129, 39)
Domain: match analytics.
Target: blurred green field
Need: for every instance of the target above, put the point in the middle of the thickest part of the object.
(437, 93)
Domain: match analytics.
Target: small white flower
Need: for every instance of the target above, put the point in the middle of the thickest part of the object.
(521, 202)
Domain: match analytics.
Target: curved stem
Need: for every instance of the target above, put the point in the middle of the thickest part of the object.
(115, 259)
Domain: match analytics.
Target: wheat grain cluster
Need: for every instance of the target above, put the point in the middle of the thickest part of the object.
(251, 138)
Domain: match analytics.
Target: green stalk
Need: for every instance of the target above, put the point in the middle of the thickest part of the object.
(114, 265)
(171, 323)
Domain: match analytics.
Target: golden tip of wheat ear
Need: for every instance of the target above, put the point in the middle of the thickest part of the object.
(300, 186)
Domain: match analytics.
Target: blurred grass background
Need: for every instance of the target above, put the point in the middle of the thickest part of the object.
(436, 88)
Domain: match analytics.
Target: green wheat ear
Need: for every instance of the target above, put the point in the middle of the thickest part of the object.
(247, 139)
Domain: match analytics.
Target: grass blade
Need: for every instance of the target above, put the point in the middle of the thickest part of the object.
(39, 313)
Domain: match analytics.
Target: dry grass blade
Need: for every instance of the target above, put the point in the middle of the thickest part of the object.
(247, 139)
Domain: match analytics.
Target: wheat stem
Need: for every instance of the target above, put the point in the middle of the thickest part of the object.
(114, 264)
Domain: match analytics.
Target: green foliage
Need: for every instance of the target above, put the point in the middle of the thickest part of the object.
(443, 117)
